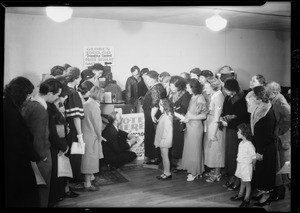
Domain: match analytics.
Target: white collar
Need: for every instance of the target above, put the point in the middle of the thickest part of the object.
(40, 100)
(116, 127)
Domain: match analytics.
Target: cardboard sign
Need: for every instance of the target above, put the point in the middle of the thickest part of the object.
(135, 123)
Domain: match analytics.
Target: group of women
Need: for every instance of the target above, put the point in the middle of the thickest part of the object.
(207, 109)
(206, 116)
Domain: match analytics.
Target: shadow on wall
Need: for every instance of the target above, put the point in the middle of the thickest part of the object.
(243, 77)
(131, 26)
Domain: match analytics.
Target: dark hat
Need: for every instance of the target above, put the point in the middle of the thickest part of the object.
(97, 66)
(144, 70)
(65, 90)
(196, 71)
(86, 74)
(206, 73)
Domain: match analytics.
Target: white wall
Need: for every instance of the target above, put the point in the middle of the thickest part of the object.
(34, 44)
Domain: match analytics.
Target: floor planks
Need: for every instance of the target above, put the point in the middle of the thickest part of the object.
(144, 190)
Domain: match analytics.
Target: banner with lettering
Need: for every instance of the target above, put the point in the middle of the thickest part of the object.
(134, 123)
(98, 54)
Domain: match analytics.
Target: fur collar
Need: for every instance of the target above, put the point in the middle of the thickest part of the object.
(237, 97)
(260, 112)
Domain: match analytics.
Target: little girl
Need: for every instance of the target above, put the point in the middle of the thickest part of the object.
(246, 159)
(164, 135)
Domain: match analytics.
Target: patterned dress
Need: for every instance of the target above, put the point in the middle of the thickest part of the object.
(192, 157)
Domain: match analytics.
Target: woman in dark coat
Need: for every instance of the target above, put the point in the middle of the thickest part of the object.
(20, 183)
(234, 112)
(58, 143)
(181, 99)
(263, 123)
(150, 107)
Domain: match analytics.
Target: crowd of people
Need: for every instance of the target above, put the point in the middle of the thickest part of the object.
(198, 122)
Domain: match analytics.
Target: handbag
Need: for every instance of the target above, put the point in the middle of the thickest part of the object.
(60, 128)
(77, 148)
(64, 168)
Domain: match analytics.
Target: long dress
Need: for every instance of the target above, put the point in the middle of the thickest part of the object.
(180, 106)
(237, 106)
(192, 156)
(214, 152)
(264, 143)
(91, 129)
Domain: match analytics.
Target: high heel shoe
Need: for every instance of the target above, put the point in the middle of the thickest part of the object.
(257, 198)
(227, 184)
(278, 193)
(192, 177)
(233, 187)
(237, 198)
(165, 177)
(213, 178)
(244, 204)
(208, 174)
(266, 202)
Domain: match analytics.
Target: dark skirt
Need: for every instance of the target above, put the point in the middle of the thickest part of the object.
(265, 170)
(150, 150)
(231, 151)
(178, 140)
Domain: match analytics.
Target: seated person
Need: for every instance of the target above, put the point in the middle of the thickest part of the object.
(118, 142)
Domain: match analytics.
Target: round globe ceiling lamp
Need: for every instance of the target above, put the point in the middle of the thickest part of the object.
(216, 22)
(59, 14)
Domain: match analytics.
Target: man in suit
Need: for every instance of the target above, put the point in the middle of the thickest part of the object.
(116, 148)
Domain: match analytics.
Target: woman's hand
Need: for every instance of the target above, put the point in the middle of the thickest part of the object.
(259, 157)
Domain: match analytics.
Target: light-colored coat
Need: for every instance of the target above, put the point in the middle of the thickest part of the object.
(91, 129)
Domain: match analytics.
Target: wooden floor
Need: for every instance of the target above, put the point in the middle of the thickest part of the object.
(144, 190)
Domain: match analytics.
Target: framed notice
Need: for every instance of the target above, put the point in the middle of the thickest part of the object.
(98, 54)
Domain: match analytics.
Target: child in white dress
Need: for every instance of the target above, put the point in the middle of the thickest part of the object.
(164, 135)
(246, 159)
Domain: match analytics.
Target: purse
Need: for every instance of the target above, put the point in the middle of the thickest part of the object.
(60, 128)
(64, 168)
(77, 148)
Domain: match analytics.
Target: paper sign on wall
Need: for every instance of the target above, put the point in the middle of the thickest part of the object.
(98, 54)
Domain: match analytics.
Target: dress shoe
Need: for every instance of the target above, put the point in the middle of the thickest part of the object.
(227, 184)
(278, 193)
(237, 198)
(166, 177)
(77, 187)
(257, 198)
(159, 176)
(266, 202)
(91, 188)
(177, 170)
(71, 194)
(245, 203)
(213, 178)
(191, 177)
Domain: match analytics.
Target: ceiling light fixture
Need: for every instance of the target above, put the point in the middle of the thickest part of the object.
(59, 14)
(216, 22)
